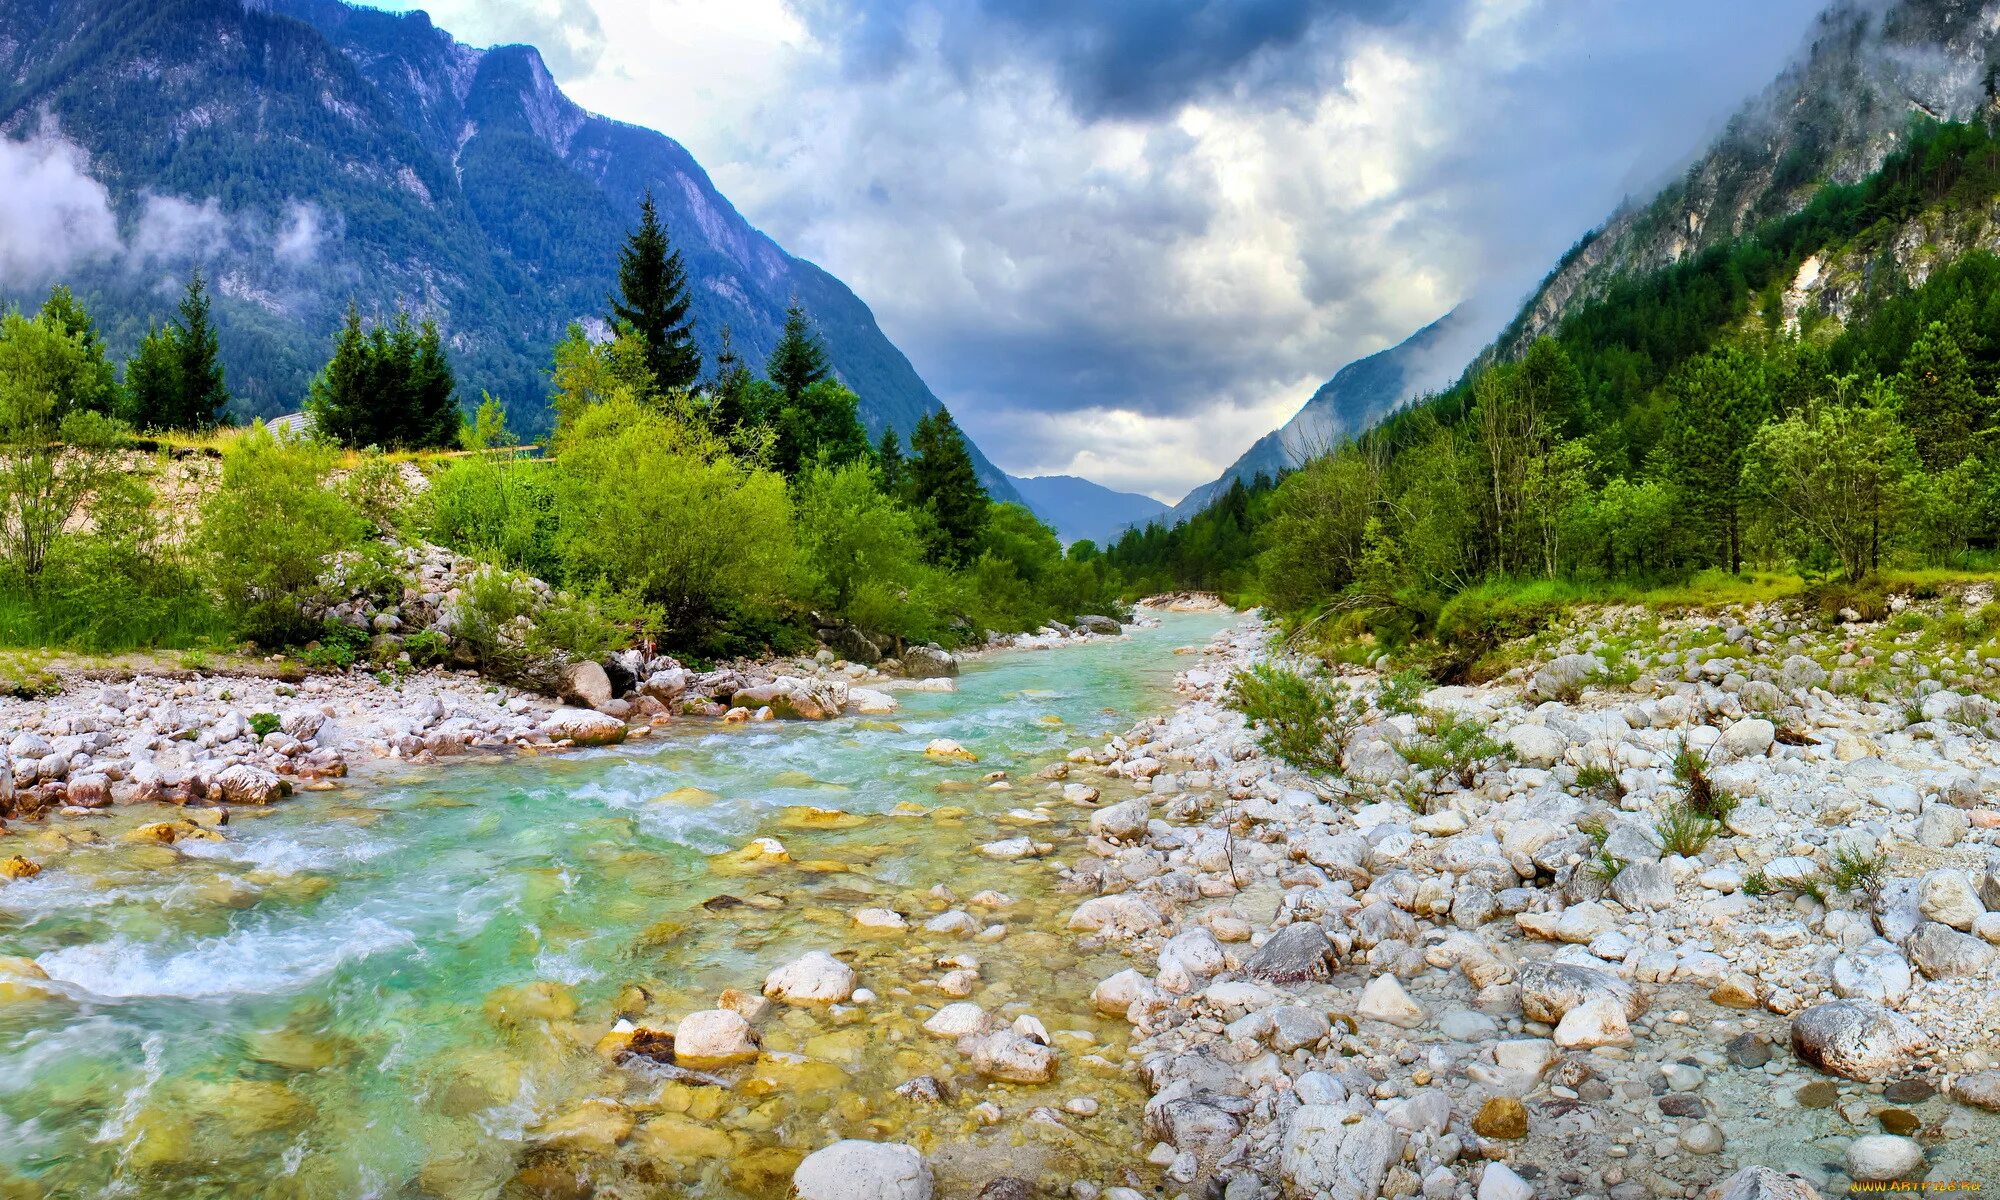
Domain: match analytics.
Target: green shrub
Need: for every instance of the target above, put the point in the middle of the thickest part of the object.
(1685, 831)
(264, 724)
(1403, 692)
(650, 506)
(268, 531)
(1599, 782)
(500, 508)
(426, 648)
(862, 555)
(1304, 721)
(1450, 749)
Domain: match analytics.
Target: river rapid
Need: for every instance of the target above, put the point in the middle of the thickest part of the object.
(403, 987)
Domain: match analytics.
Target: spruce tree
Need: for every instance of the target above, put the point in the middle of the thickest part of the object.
(889, 462)
(203, 394)
(1718, 403)
(153, 380)
(732, 395)
(799, 359)
(1942, 406)
(388, 386)
(339, 403)
(433, 417)
(944, 483)
(653, 301)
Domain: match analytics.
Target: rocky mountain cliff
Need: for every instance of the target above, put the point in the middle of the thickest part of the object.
(307, 152)
(1869, 70)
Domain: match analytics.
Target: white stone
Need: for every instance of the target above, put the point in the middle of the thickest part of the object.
(1385, 1000)
(858, 1170)
(1880, 1156)
(815, 978)
(714, 1037)
(1499, 1182)
(959, 1020)
(1596, 1022)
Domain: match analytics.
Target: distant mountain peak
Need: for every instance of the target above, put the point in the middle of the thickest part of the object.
(1079, 509)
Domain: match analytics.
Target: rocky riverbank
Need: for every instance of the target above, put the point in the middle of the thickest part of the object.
(1537, 985)
(195, 738)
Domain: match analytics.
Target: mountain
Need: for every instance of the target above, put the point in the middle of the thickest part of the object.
(1080, 509)
(1833, 116)
(1360, 394)
(308, 152)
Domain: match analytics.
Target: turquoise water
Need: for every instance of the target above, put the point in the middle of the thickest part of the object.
(400, 988)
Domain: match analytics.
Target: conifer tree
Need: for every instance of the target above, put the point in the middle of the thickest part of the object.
(388, 386)
(889, 463)
(653, 301)
(1718, 403)
(732, 395)
(203, 394)
(153, 379)
(799, 359)
(944, 482)
(1942, 407)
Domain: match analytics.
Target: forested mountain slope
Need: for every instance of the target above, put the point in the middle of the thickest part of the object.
(309, 152)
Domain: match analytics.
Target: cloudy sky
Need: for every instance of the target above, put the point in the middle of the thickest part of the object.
(1125, 238)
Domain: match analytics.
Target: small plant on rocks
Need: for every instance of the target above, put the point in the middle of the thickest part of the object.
(1600, 783)
(1302, 720)
(1686, 831)
(264, 724)
(1853, 871)
(1403, 692)
(1699, 792)
(1605, 866)
(1758, 884)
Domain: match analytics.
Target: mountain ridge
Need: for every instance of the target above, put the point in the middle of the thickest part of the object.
(1082, 509)
(459, 180)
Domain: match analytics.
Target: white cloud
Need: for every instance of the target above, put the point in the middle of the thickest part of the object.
(54, 217)
(299, 237)
(171, 230)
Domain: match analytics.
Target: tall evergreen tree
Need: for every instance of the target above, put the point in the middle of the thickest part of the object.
(1942, 406)
(944, 483)
(732, 395)
(653, 301)
(1718, 402)
(889, 462)
(388, 386)
(799, 359)
(822, 424)
(153, 379)
(203, 394)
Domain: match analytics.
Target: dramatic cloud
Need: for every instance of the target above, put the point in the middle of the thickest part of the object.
(567, 32)
(54, 217)
(1125, 238)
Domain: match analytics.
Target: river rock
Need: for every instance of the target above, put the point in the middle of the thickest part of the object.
(1857, 1039)
(1006, 1055)
(954, 1021)
(1942, 952)
(858, 1170)
(1874, 971)
(1296, 953)
(1121, 914)
(1536, 745)
(1980, 1089)
(1550, 989)
(713, 1038)
(1385, 1000)
(245, 784)
(1749, 738)
(1565, 676)
(1644, 885)
(1114, 996)
(1329, 1154)
(928, 662)
(1125, 820)
(1188, 958)
(1499, 1182)
(1501, 1117)
(815, 978)
(585, 684)
(583, 727)
(1761, 1183)
(1596, 1022)
(1949, 898)
(1100, 624)
(1879, 1157)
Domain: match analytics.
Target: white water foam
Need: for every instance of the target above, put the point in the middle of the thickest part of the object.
(284, 856)
(247, 961)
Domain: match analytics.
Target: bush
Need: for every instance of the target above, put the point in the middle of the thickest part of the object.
(1304, 721)
(862, 555)
(264, 724)
(268, 531)
(650, 506)
(498, 508)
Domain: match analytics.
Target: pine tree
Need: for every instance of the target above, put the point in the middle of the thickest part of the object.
(653, 301)
(203, 394)
(889, 463)
(944, 482)
(338, 403)
(433, 416)
(732, 394)
(822, 424)
(1942, 406)
(388, 386)
(799, 359)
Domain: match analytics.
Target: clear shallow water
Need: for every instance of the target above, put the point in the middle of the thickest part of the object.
(331, 1002)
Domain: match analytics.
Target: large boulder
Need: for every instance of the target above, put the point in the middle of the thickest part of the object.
(1941, 952)
(1327, 1155)
(1857, 1039)
(1549, 990)
(1564, 677)
(928, 662)
(1880, 1157)
(852, 644)
(1749, 738)
(586, 685)
(582, 726)
(1098, 624)
(1298, 952)
(858, 1170)
(1006, 1055)
(245, 784)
